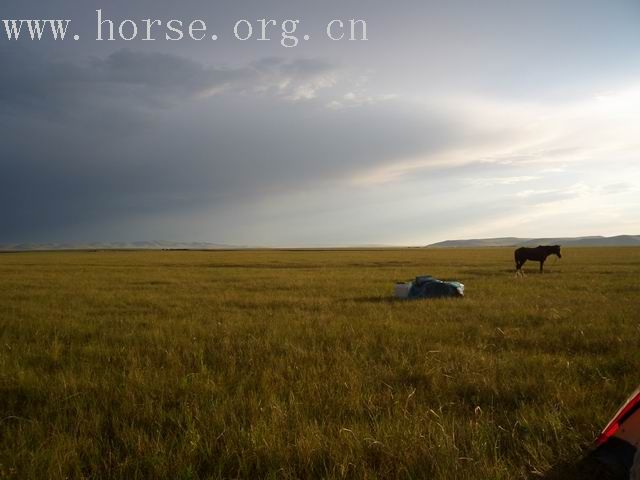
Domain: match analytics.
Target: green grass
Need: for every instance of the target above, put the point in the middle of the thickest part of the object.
(298, 364)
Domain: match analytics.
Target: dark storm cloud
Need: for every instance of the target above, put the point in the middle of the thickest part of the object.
(97, 139)
(30, 79)
(137, 134)
(171, 73)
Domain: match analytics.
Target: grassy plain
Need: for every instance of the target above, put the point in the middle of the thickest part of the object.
(298, 364)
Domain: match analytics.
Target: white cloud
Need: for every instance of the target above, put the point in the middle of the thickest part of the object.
(493, 181)
(598, 128)
(358, 99)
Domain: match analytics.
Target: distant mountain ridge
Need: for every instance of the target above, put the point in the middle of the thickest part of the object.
(152, 245)
(591, 241)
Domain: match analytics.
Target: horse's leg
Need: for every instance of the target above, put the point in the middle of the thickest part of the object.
(541, 265)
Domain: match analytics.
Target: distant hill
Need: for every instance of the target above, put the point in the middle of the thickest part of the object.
(593, 241)
(153, 245)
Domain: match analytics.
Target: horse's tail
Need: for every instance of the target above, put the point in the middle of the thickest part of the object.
(516, 257)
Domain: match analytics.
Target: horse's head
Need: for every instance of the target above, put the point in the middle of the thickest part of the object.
(555, 250)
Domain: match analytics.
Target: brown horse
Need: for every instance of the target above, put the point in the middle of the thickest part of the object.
(537, 254)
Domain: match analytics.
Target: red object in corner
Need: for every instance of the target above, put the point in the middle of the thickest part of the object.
(628, 408)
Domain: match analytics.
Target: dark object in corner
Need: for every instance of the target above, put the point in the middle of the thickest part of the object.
(617, 445)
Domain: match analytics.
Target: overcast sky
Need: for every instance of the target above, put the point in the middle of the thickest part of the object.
(456, 119)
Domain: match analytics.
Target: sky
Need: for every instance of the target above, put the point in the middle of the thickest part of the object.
(457, 119)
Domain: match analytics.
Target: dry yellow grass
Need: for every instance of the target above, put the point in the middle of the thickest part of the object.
(297, 364)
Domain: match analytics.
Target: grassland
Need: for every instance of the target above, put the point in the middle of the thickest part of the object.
(297, 364)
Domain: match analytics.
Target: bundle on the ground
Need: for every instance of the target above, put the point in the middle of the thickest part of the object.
(426, 286)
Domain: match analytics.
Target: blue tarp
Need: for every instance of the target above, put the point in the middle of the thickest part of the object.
(428, 287)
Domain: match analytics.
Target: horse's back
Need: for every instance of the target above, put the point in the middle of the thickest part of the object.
(530, 253)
